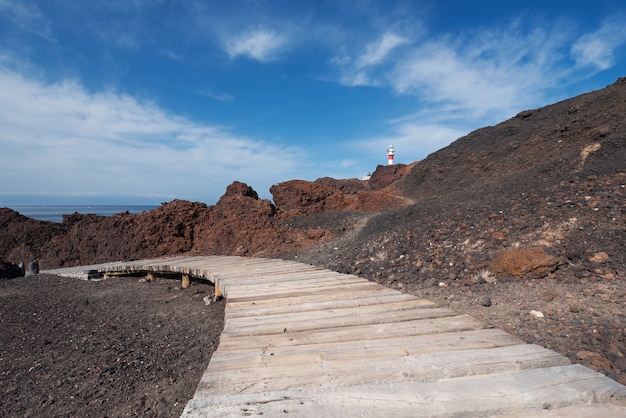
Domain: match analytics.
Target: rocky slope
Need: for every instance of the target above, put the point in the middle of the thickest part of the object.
(525, 216)
(522, 224)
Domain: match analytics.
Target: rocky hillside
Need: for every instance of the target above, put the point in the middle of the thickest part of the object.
(551, 177)
(522, 225)
(528, 215)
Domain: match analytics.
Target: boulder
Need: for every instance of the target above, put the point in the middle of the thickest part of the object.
(524, 263)
(10, 270)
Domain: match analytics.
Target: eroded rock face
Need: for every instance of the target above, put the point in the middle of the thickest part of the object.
(347, 186)
(305, 198)
(385, 175)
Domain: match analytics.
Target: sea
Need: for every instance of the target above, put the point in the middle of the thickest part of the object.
(54, 213)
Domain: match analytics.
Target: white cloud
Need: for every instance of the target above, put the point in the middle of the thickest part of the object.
(376, 52)
(480, 76)
(597, 49)
(364, 70)
(61, 139)
(261, 44)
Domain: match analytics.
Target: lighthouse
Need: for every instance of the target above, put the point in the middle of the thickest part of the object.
(390, 155)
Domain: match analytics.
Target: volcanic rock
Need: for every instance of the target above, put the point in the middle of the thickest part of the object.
(386, 175)
(305, 198)
(533, 262)
(347, 186)
(10, 270)
(599, 258)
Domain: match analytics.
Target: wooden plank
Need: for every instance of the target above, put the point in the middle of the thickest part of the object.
(226, 264)
(355, 333)
(284, 280)
(486, 395)
(326, 290)
(284, 276)
(314, 298)
(245, 272)
(303, 284)
(341, 321)
(224, 359)
(238, 312)
(317, 315)
(320, 371)
(615, 409)
(246, 263)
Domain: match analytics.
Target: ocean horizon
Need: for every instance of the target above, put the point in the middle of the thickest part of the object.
(54, 213)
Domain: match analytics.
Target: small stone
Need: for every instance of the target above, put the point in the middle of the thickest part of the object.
(598, 361)
(600, 257)
(620, 363)
(485, 301)
(536, 314)
(548, 296)
(33, 268)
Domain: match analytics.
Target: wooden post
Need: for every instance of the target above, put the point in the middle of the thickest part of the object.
(186, 281)
(150, 276)
(218, 292)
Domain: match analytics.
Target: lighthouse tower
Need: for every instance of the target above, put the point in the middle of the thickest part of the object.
(390, 154)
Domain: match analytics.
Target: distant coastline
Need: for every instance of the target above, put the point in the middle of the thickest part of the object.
(54, 213)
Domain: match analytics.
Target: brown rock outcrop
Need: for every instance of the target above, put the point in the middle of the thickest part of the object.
(305, 198)
(532, 262)
(388, 174)
(347, 186)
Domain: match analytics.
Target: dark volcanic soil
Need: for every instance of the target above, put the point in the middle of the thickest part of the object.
(117, 347)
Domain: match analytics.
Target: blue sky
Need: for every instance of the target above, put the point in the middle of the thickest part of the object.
(144, 101)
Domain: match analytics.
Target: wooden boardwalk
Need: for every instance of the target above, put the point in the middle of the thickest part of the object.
(305, 341)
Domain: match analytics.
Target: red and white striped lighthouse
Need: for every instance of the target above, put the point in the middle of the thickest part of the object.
(390, 154)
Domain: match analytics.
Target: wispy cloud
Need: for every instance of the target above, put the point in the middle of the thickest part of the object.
(378, 50)
(260, 44)
(463, 81)
(597, 49)
(492, 71)
(64, 139)
(27, 17)
(363, 70)
(220, 97)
